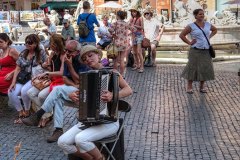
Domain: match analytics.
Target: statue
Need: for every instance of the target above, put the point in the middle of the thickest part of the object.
(137, 3)
(180, 9)
(54, 17)
(79, 9)
(224, 18)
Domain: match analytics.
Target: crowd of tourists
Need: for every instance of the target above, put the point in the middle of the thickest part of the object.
(68, 57)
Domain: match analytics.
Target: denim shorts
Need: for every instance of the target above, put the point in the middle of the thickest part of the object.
(138, 39)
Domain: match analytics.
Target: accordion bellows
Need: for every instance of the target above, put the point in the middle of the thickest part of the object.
(92, 110)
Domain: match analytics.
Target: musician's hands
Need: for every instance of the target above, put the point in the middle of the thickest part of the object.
(106, 96)
(74, 96)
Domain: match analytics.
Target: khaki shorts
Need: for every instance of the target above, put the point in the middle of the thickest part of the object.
(155, 42)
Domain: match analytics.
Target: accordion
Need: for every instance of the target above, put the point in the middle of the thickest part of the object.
(92, 110)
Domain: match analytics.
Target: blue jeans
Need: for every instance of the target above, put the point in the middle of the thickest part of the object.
(56, 100)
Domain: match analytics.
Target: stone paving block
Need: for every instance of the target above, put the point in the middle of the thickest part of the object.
(164, 123)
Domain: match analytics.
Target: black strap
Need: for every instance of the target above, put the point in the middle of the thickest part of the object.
(32, 63)
(203, 33)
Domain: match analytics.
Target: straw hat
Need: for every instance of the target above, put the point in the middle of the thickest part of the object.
(134, 8)
(89, 48)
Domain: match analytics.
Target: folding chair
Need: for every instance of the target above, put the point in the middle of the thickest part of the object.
(114, 145)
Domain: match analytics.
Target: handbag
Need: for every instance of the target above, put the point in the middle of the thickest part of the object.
(112, 51)
(211, 49)
(41, 82)
(23, 76)
(146, 43)
(212, 52)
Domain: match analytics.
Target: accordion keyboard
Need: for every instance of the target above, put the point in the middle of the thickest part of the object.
(104, 86)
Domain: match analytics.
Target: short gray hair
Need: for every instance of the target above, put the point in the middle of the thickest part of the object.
(74, 43)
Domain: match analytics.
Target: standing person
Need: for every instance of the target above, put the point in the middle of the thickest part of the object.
(68, 31)
(119, 31)
(137, 36)
(153, 30)
(199, 66)
(51, 29)
(68, 16)
(103, 34)
(32, 56)
(55, 67)
(90, 19)
(8, 57)
(77, 141)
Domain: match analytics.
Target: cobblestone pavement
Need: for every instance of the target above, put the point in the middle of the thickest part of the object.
(164, 123)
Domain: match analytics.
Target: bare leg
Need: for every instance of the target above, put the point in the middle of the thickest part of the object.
(122, 64)
(136, 57)
(202, 84)
(189, 86)
(96, 154)
(85, 155)
(140, 56)
(153, 48)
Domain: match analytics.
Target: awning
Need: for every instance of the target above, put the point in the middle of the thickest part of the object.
(60, 5)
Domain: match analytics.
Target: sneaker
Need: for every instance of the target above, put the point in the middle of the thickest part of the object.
(56, 134)
(32, 120)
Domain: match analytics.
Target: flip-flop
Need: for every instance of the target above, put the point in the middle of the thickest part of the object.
(18, 121)
(203, 90)
(190, 91)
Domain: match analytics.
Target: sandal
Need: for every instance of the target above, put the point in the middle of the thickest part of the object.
(135, 68)
(203, 90)
(18, 121)
(140, 70)
(190, 91)
(44, 121)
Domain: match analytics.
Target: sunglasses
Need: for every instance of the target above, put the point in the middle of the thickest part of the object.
(146, 13)
(69, 51)
(29, 42)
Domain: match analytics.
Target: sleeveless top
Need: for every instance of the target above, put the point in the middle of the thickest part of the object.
(56, 63)
(138, 22)
(197, 34)
(7, 63)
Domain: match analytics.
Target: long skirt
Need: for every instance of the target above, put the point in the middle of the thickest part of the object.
(199, 66)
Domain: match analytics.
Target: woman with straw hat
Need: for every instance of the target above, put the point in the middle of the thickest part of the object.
(136, 22)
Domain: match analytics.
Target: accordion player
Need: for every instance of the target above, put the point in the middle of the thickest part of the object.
(92, 110)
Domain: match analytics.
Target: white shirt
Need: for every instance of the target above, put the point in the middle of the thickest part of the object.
(151, 28)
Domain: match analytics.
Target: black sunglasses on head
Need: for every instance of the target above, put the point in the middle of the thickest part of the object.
(146, 13)
(29, 42)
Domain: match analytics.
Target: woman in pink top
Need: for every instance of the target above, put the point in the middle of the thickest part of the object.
(8, 57)
(136, 22)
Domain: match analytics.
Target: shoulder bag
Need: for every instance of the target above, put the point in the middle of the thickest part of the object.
(211, 50)
(23, 76)
(112, 50)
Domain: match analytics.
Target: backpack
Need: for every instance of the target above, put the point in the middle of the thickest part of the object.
(83, 29)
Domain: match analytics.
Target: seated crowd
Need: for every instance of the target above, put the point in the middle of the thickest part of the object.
(62, 67)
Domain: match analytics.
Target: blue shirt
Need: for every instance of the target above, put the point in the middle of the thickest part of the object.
(90, 22)
(78, 67)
